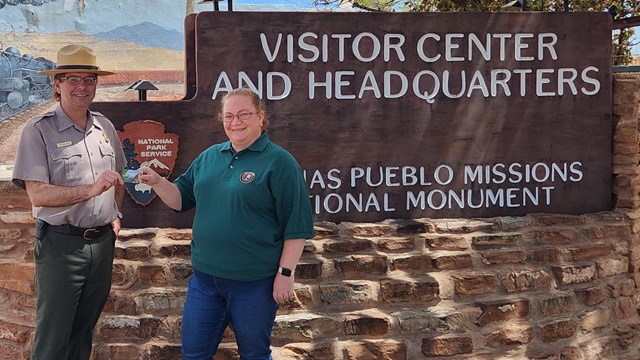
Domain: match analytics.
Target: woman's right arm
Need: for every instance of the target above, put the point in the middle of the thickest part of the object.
(166, 190)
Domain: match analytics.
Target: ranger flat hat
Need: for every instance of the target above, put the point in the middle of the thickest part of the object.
(76, 59)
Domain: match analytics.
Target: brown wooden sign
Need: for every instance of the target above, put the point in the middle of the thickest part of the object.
(408, 115)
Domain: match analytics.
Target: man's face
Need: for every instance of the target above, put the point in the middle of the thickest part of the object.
(76, 90)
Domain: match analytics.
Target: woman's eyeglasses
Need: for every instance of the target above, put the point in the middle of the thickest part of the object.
(242, 116)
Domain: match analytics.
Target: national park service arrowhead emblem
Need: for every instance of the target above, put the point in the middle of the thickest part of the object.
(145, 143)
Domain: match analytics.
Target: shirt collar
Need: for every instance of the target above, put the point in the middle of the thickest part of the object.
(65, 122)
(259, 145)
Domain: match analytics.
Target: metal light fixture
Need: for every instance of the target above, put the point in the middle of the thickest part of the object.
(142, 86)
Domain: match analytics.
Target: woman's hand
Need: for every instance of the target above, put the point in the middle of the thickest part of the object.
(148, 176)
(283, 289)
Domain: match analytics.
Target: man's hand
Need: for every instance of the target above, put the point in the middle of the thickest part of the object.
(116, 225)
(43, 194)
(106, 181)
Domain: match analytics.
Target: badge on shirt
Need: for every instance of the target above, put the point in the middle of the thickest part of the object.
(247, 177)
(105, 136)
(63, 144)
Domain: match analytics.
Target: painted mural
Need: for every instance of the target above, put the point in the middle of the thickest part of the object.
(21, 85)
(127, 35)
(4, 3)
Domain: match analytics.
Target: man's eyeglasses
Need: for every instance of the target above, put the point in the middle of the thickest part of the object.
(242, 116)
(76, 80)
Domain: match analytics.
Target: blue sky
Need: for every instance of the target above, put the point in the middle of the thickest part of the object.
(636, 40)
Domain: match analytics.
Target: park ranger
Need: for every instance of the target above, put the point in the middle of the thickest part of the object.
(69, 162)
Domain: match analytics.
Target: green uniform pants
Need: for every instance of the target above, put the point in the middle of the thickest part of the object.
(73, 280)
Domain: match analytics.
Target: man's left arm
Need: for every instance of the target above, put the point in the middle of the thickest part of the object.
(121, 163)
(119, 197)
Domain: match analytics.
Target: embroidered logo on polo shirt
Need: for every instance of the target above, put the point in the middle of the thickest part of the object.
(247, 177)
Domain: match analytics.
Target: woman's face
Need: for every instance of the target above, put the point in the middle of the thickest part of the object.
(242, 121)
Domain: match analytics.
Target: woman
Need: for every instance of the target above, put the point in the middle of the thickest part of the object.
(252, 217)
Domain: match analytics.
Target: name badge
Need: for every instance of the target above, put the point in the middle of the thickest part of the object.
(63, 144)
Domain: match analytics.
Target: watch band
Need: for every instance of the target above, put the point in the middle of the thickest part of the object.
(285, 271)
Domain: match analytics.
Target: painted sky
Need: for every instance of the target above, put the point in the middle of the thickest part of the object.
(101, 16)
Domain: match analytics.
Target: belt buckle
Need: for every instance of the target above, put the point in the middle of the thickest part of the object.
(87, 235)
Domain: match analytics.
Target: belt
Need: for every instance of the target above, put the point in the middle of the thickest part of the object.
(87, 233)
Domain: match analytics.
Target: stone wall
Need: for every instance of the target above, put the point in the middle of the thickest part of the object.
(541, 286)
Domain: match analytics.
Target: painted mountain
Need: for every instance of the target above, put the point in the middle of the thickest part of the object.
(146, 34)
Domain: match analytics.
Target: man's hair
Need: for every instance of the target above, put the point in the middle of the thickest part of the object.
(54, 93)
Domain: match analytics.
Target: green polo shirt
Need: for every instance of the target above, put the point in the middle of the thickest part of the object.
(247, 204)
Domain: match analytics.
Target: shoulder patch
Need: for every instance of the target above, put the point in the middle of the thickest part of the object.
(97, 113)
(104, 124)
(100, 119)
(37, 118)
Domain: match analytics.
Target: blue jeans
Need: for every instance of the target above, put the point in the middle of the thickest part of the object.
(212, 303)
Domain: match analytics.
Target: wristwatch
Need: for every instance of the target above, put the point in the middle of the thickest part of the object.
(285, 271)
(120, 216)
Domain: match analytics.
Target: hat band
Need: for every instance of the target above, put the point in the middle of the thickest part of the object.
(78, 67)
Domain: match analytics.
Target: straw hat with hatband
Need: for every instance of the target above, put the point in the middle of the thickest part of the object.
(76, 59)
